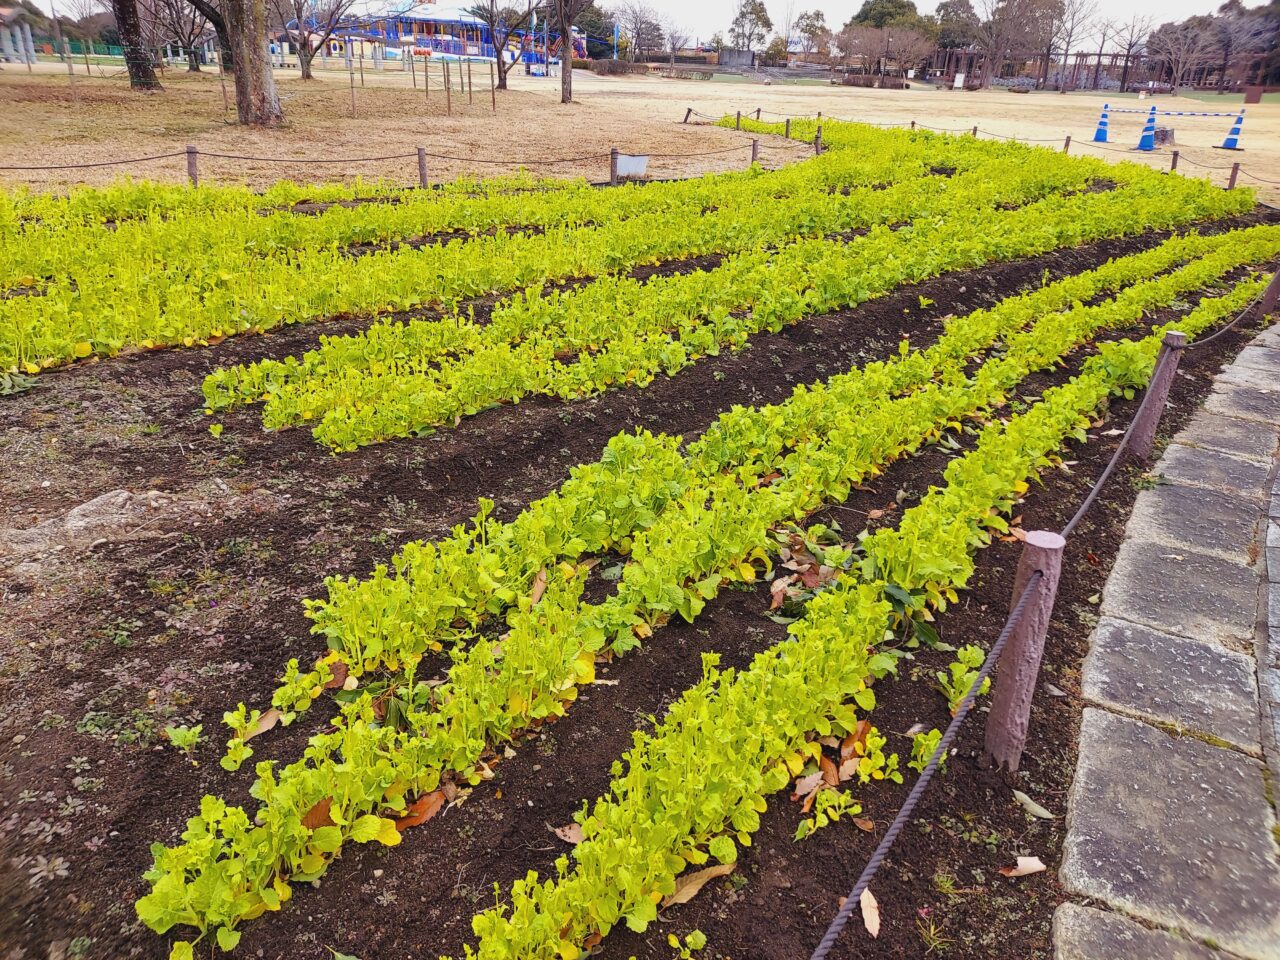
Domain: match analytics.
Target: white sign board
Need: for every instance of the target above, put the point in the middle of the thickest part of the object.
(958, 82)
(632, 165)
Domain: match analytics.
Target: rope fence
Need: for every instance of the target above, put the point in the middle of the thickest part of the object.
(1026, 628)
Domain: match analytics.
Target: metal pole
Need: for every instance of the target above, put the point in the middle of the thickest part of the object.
(193, 174)
(1066, 144)
(755, 150)
(1019, 666)
(1173, 161)
(613, 166)
(422, 167)
(1147, 421)
(1235, 172)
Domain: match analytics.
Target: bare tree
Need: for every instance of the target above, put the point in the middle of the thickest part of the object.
(567, 11)
(310, 24)
(137, 52)
(676, 39)
(909, 47)
(812, 27)
(1130, 37)
(504, 21)
(1183, 47)
(639, 22)
(212, 11)
(176, 22)
(1242, 34)
(857, 42)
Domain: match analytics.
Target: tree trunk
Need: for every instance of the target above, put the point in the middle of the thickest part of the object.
(142, 74)
(193, 59)
(566, 62)
(305, 56)
(256, 100)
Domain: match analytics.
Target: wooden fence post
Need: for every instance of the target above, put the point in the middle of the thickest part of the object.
(757, 114)
(1066, 144)
(975, 129)
(687, 114)
(1173, 161)
(493, 88)
(362, 64)
(613, 166)
(471, 88)
(448, 88)
(755, 150)
(352, 74)
(193, 174)
(787, 132)
(1019, 666)
(1147, 421)
(413, 72)
(1235, 172)
(817, 141)
(426, 78)
(422, 167)
(913, 124)
(1271, 295)
(737, 124)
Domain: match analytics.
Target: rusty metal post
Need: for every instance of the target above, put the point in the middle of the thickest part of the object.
(1173, 161)
(687, 114)
(422, 167)
(737, 124)
(1066, 144)
(1019, 666)
(1235, 172)
(193, 174)
(613, 166)
(1270, 295)
(755, 150)
(787, 131)
(1147, 420)
(817, 141)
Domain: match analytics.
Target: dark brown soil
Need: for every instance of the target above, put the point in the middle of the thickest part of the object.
(111, 643)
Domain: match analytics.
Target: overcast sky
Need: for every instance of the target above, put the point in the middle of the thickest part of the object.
(704, 17)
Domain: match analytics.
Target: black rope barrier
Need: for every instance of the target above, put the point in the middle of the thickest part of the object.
(103, 163)
(852, 901)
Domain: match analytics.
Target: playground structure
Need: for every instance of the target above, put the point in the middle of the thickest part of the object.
(1147, 140)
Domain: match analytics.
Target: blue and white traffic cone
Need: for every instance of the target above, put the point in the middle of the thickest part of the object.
(1148, 141)
(1100, 136)
(1233, 137)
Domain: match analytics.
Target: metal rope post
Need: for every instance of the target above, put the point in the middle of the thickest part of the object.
(1147, 420)
(1010, 716)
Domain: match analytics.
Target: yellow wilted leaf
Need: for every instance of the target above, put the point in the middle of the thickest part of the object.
(31, 368)
(747, 572)
(643, 630)
(585, 667)
(795, 763)
(83, 348)
(517, 705)
(388, 835)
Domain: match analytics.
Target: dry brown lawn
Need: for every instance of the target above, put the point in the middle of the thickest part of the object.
(50, 121)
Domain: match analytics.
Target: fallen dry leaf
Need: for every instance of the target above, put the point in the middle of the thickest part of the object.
(863, 824)
(830, 775)
(422, 810)
(318, 816)
(570, 833)
(1032, 807)
(265, 722)
(870, 913)
(687, 886)
(339, 671)
(778, 589)
(539, 587)
(1026, 866)
(806, 785)
(849, 747)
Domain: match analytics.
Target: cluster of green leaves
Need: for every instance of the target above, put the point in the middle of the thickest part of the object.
(647, 824)
(828, 807)
(961, 674)
(704, 526)
(923, 747)
(167, 281)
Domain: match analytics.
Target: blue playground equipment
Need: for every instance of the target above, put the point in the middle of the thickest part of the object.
(1147, 140)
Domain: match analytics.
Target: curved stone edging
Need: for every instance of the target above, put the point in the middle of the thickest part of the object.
(1169, 819)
